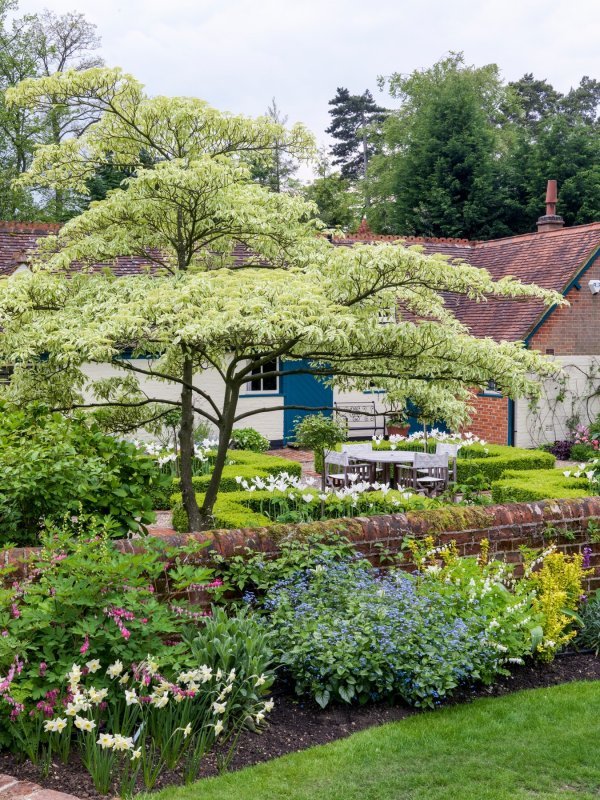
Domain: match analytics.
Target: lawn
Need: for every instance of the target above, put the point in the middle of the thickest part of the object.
(535, 744)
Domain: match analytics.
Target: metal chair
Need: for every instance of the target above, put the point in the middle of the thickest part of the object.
(427, 473)
(343, 468)
(452, 451)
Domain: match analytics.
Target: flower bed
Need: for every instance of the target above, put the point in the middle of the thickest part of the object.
(261, 502)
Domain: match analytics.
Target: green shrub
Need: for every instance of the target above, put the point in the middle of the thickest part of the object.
(237, 642)
(589, 636)
(53, 467)
(250, 439)
(83, 596)
(347, 632)
(524, 486)
(582, 452)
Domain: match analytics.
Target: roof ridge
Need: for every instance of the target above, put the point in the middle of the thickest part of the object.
(16, 226)
(393, 237)
(536, 234)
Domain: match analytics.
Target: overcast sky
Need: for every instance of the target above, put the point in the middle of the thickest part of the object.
(238, 54)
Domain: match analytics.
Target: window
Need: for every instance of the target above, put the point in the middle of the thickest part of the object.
(259, 383)
(492, 390)
(6, 371)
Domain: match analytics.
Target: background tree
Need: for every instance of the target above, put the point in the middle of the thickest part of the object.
(355, 123)
(339, 204)
(276, 171)
(439, 174)
(33, 46)
(298, 298)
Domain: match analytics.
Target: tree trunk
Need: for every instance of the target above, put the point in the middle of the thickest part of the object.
(225, 429)
(186, 448)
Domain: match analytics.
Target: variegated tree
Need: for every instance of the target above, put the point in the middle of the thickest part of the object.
(295, 297)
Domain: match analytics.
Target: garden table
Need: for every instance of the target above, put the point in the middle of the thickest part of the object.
(387, 459)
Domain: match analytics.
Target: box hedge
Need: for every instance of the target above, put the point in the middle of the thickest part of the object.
(525, 486)
(491, 460)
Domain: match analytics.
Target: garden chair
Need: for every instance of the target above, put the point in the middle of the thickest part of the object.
(452, 450)
(338, 469)
(428, 473)
(354, 451)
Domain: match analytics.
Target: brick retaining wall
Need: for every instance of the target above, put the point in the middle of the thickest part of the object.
(507, 527)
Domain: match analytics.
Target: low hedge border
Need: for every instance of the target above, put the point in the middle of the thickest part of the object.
(241, 463)
(242, 509)
(525, 486)
(491, 460)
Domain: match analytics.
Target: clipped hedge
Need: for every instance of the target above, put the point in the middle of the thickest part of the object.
(491, 460)
(242, 509)
(242, 463)
(524, 486)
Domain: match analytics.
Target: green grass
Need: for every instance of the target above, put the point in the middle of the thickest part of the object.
(529, 745)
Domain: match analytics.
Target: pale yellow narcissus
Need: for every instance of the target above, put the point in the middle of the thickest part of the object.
(189, 201)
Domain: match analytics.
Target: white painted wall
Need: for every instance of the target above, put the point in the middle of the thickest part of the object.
(548, 421)
(269, 424)
(357, 428)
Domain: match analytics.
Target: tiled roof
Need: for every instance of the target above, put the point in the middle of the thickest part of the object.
(17, 239)
(552, 260)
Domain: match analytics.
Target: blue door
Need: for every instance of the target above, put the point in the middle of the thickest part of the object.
(302, 390)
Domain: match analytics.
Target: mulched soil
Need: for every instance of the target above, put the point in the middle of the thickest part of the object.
(295, 725)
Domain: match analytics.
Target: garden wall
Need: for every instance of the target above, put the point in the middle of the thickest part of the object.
(570, 523)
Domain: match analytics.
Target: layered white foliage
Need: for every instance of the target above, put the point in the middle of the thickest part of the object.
(296, 296)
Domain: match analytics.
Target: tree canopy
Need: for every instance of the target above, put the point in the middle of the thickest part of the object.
(197, 307)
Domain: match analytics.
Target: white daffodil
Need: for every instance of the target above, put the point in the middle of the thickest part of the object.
(259, 717)
(55, 725)
(74, 675)
(122, 742)
(159, 700)
(136, 754)
(269, 706)
(152, 665)
(93, 665)
(97, 695)
(85, 724)
(124, 679)
(106, 741)
(131, 697)
(115, 669)
(187, 730)
(231, 676)
(218, 727)
(219, 708)
(259, 681)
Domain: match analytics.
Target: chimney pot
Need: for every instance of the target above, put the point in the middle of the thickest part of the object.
(551, 221)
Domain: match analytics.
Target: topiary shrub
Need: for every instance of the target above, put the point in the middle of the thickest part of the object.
(249, 439)
(526, 486)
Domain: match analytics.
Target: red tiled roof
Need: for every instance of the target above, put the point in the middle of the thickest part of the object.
(552, 260)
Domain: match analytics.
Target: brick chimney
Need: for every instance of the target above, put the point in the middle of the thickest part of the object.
(551, 221)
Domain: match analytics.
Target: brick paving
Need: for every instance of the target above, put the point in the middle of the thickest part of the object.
(14, 789)
(304, 457)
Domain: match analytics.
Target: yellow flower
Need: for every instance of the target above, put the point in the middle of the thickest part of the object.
(84, 724)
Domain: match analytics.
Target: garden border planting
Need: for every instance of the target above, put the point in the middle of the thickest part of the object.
(571, 523)
(524, 486)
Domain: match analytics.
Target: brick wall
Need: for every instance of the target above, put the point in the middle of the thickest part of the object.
(573, 329)
(490, 421)
(507, 527)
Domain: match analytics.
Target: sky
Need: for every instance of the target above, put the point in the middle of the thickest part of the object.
(238, 54)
